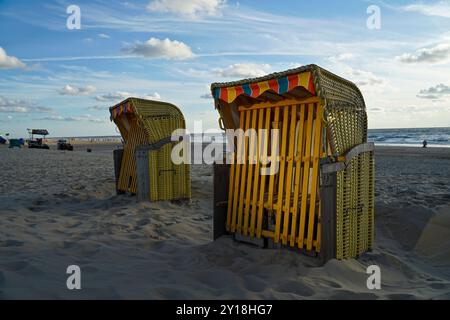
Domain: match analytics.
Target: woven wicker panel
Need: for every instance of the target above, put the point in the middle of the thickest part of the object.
(354, 207)
(344, 111)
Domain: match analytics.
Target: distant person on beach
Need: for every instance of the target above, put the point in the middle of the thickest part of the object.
(424, 143)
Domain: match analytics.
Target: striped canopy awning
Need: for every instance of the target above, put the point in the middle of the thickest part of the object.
(124, 107)
(280, 85)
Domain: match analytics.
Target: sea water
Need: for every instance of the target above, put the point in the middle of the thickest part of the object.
(438, 137)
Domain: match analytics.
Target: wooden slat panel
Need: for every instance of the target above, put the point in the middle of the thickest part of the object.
(251, 155)
(282, 164)
(290, 161)
(274, 146)
(263, 177)
(305, 182)
(230, 191)
(315, 176)
(298, 171)
(243, 173)
(256, 172)
(239, 155)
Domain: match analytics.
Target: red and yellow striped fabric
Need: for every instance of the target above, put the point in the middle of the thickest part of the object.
(278, 85)
(126, 107)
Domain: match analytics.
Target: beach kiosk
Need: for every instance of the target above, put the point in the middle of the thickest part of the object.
(144, 165)
(304, 177)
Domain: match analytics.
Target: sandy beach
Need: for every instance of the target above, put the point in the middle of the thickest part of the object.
(60, 208)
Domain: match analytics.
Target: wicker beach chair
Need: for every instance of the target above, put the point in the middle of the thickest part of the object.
(320, 197)
(144, 166)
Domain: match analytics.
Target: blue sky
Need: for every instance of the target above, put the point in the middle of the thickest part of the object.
(65, 80)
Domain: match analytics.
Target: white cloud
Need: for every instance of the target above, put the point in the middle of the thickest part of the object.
(98, 108)
(206, 96)
(20, 106)
(190, 9)
(341, 57)
(364, 78)
(164, 49)
(13, 109)
(438, 9)
(438, 53)
(435, 93)
(121, 95)
(244, 70)
(152, 96)
(9, 62)
(70, 90)
(103, 36)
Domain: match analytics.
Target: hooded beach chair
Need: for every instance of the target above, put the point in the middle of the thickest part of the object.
(313, 186)
(144, 166)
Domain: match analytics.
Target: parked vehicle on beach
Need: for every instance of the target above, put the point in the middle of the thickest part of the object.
(64, 145)
(38, 142)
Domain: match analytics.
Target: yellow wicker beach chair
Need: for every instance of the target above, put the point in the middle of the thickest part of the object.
(320, 197)
(145, 163)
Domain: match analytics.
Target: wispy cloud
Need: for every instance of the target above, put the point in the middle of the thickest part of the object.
(153, 96)
(20, 106)
(364, 78)
(71, 90)
(206, 96)
(77, 58)
(114, 96)
(341, 57)
(98, 108)
(438, 9)
(435, 54)
(121, 95)
(9, 62)
(103, 36)
(192, 9)
(244, 70)
(435, 93)
(164, 49)
(87, 118)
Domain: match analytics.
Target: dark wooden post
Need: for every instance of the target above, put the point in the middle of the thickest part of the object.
(221, 184)
(117, 154)
(328, 213)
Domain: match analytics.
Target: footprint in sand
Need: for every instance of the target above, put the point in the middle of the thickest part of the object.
(254, 284)
(350, 295)
(11, 243)
(439, 285)
(401, 296)
(143, 222)
(15, 266)
(295, 287)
